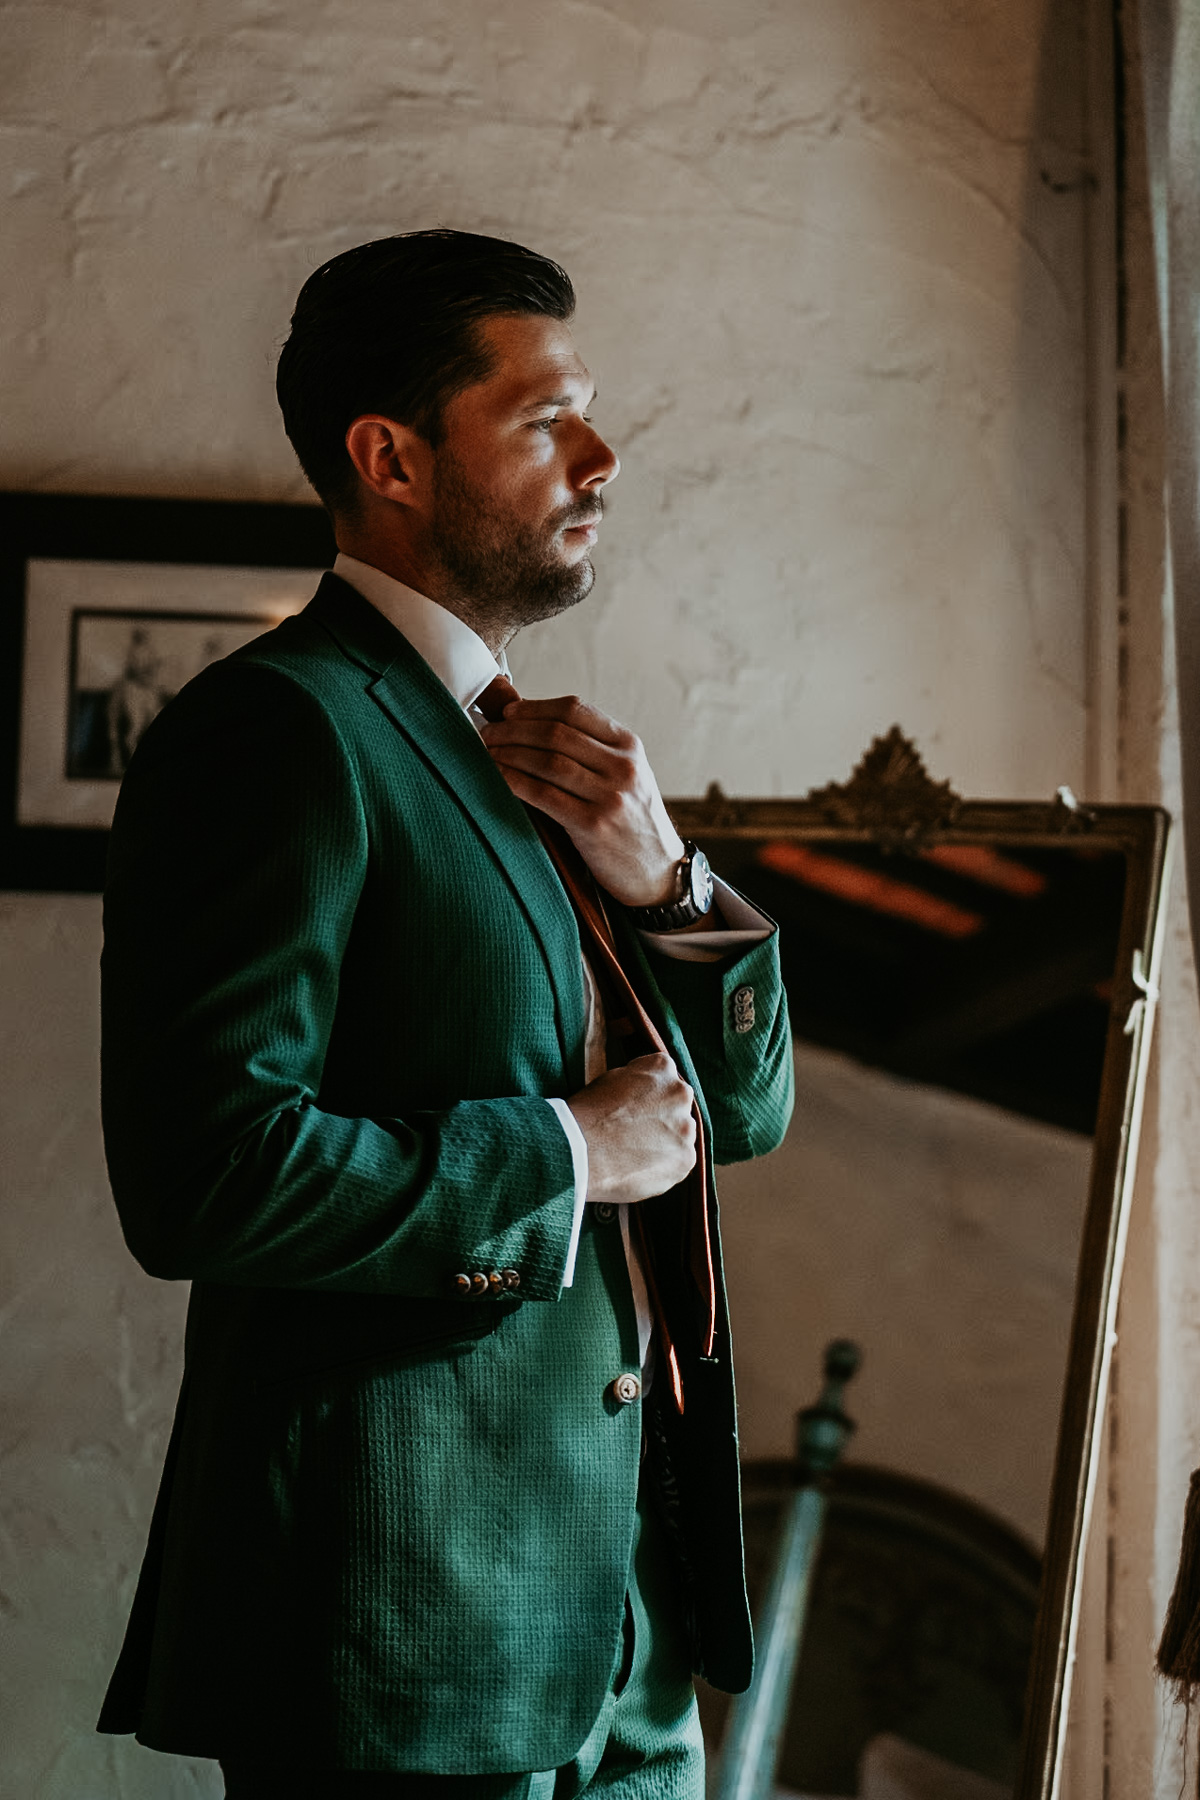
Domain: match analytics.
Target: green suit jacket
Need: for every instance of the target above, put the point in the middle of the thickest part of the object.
(339, 977)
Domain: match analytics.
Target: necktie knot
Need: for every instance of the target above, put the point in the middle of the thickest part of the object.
(498, 694)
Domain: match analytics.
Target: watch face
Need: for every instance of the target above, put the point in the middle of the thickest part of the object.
(702, 881)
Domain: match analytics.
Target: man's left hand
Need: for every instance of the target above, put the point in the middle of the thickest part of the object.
(591, 776)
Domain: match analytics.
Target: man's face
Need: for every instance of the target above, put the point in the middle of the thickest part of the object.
(518, 477)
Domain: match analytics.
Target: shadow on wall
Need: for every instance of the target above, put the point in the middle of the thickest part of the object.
(1055, 327)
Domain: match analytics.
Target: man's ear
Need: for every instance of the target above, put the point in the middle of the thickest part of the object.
(392, 459)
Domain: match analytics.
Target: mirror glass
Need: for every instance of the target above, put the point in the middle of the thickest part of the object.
(951, 1004)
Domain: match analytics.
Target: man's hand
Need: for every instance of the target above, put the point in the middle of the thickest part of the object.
(640, 1130)
(591, 775)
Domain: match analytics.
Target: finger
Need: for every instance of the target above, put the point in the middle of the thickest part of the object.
(571, 710)
(571, 813)
(561, 738)
(555, 769)
(659, 1068)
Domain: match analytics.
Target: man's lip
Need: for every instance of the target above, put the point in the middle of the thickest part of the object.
(589, 525)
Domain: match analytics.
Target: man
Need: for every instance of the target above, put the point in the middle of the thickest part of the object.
(450, 1506)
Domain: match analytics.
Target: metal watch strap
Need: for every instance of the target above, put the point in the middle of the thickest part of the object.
(679, 913)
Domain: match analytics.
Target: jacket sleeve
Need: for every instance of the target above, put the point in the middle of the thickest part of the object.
(238, 853)
(732, 1017)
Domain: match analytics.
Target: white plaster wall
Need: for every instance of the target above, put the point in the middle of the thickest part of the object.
(89, 1369)
(836, 316)
(834, 309)
(942, 1236)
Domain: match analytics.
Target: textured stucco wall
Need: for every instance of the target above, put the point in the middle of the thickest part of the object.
(89, 1367)
(830, 267)
(832, 304)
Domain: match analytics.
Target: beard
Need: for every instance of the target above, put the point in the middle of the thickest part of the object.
(500, 569)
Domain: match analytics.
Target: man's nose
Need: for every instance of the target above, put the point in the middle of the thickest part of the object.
(600, 464)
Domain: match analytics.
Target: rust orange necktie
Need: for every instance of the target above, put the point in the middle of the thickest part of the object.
(629, 1020)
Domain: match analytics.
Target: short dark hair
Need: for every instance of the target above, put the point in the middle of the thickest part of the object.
(392, 327)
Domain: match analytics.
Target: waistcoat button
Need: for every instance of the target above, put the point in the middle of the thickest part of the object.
(603, 1212)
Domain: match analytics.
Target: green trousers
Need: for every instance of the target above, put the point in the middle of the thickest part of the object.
(645, 1745)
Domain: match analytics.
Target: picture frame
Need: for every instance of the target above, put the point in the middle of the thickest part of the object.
(107, 605)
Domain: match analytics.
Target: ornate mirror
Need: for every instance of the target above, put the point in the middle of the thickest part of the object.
(972, 988)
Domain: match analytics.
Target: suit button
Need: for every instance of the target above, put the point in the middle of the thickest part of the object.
(511, 1278)
(494, 1281)
(743, 1008)
(463, 1283)
(479, 1282)
(603, 1212)
(626, 1389)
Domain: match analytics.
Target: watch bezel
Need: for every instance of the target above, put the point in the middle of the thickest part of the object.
(697, 866)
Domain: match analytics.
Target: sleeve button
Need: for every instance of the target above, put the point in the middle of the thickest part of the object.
(462, 1284)
(743, 1008)
(479, 1282)
(511, 1278)
(626, 1388)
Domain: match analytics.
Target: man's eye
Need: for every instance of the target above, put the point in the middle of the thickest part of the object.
(549, 424)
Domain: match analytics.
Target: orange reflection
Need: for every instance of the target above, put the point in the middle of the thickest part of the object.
(867, 887)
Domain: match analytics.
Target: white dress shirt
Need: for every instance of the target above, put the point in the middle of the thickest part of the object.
(463, 663)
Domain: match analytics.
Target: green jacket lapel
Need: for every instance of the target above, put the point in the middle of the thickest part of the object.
(419, 705)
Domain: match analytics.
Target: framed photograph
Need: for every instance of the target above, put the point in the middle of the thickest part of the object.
(107, 608)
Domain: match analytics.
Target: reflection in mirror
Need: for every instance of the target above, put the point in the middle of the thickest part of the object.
(953, 993)
(974, 969)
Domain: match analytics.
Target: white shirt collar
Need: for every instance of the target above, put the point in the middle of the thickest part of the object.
(457, 655)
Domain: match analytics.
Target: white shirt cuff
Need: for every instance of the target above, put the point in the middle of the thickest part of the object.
(747, 926)
(579, 1161)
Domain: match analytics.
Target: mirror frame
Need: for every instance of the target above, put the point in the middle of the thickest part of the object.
(891, 802)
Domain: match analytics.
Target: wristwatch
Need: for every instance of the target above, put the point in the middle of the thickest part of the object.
(695, 901)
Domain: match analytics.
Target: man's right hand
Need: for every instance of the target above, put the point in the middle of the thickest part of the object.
(640, 1130)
